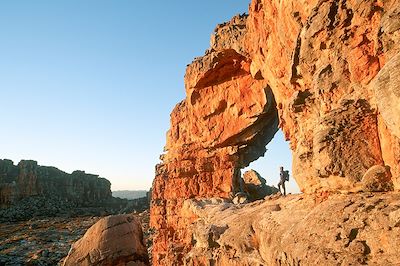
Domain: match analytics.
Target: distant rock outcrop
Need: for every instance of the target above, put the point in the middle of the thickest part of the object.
(114, 240)
(325, 72)
(31, 191)
(28, 179)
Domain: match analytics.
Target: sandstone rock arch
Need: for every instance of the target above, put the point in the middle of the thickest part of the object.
(305, 66)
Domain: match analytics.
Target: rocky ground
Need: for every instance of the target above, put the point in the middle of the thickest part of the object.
(319, 229)
(46, 241)
(38, 207)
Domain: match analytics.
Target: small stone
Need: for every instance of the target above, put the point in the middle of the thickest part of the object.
(240, 198)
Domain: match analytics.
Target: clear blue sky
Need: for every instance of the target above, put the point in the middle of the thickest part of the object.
(90, 84)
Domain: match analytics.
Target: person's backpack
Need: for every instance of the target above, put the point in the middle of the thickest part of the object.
(286, 175)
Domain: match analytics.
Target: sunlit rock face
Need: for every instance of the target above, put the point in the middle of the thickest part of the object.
(30, 179)
(320, 59)
(316, 68)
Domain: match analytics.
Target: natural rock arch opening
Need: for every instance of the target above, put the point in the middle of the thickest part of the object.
(277, 154)
(264, 148)
(267, 149)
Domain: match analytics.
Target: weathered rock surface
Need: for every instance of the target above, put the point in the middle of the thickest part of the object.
(256, 186)
(316, 69)
(114, 240)
(353, 229)
(387, 91)
(29, 179)
(319, 58)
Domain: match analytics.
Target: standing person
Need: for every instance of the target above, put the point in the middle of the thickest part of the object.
(284, 176)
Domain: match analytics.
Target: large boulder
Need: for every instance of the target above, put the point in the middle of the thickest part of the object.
(256, 186)
(114, 240)
(377, 179)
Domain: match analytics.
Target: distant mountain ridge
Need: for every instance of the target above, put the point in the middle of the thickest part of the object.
(28, 190)
(129, 194)
(27, 179)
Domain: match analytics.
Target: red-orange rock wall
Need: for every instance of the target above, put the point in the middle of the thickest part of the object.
(319, 58)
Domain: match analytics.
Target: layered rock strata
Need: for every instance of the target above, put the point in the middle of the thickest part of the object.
(325, 71)
(29, 179)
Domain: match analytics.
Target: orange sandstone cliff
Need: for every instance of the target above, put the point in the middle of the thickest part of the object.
(325, 72)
